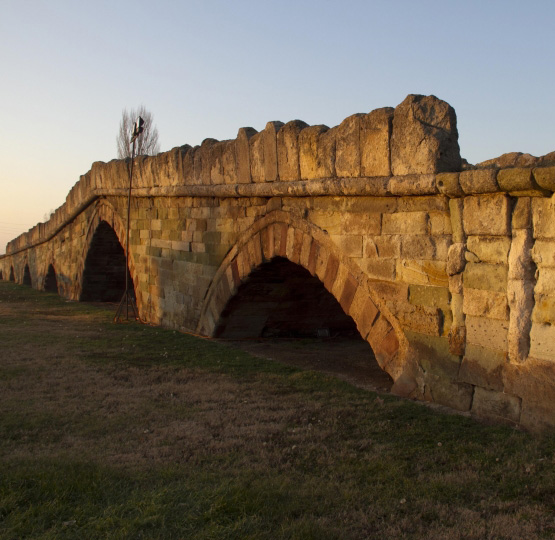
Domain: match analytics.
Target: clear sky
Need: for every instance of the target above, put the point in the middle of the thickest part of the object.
(206, 68)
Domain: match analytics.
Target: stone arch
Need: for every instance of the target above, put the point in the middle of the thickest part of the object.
(51, 280)
(104, 217)
(27, 276)
(280, 234)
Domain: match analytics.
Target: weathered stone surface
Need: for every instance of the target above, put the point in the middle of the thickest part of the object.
(425, 137)
(544, 309)
(242, 154)
(421, 319)
(484, 303)
(488, 249)
(487, 214)
(491, 277)
(490, 333)
(545, 177)
(456, 214)
(479, 181)
(405, 223)
(229, 162)
(521, 265)
(522, 213)
(455, 259)
(542, 341)
(201, 164)
(413, 184)
(457, 340)
(448, 184)
(483, 367)
(422, 272)
(418, 246)
(546, 281)
(543, 212)
(288, 150)
(516, 179)
(256, 157)
(375, 139)
(521, 302)
(348, 149)
(316, 154)
(496, 405)
(543, 253)
(435, 297)
(270, 150)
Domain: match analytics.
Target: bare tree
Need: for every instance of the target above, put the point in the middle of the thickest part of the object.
(147, 143)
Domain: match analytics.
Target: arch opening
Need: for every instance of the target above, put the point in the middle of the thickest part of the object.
(27, 276)
(51, 281)
(1, 276)
(12, 274)
(105, 267)
(281, 299)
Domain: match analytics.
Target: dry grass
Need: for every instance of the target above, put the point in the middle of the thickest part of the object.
(126, 431)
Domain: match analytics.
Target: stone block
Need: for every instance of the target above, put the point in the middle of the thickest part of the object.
(456, 215)
(543, 253)
(434, 356)
(216, 163)
(421, 319)
(388, 246)
(391, 292)
(418, 246)
(543, 217)
(424, 137)
(520, 295)
(516, 179)
(448, 184)
(348, 156)
(456, 395)
(412, 184)
(202, 164)
(544, 309)
(491, 277)
(229, 162)
(489, 249)
(270, 150)
(455, 259)
(370, 223)
(490, 333)
(424, 203)
(422, 272)
(487, 215)
(363, 311)
(405, 223)
(242, 154)
(545, 177)
(521, 265)
(288, 150)
(484, 303)
(440, 223)
(522, 213)
(542, 341)
(316, 153)
(329, 221)
(378, 268)
(479, 181)
(256, 157)
(349, 244)
(457, 339)
(434, 297)
(375, 139)
(497, 406)
(546, 281)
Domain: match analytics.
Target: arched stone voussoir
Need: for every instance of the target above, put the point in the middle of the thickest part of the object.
(304, 244)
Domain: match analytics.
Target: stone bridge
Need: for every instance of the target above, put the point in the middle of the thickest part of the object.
(447, 270)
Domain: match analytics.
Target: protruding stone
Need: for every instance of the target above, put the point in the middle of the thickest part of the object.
(425, 137)
(545, 177)
(288, 150)
(256, 157)
(455, 259)
(316, 152)
(448, 184)
(479, 181)
(487, 214)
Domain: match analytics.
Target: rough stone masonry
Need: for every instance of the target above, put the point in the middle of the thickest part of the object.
(446, 269)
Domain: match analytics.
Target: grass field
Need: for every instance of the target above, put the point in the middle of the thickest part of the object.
(130, 431)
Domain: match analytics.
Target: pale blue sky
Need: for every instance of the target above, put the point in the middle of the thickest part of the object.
(206, 68)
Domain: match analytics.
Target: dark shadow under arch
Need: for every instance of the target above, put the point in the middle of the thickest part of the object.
(105, 267)
(1, 276)
(12, 274)
(281, 299)
(27, 276)
(51, 281)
